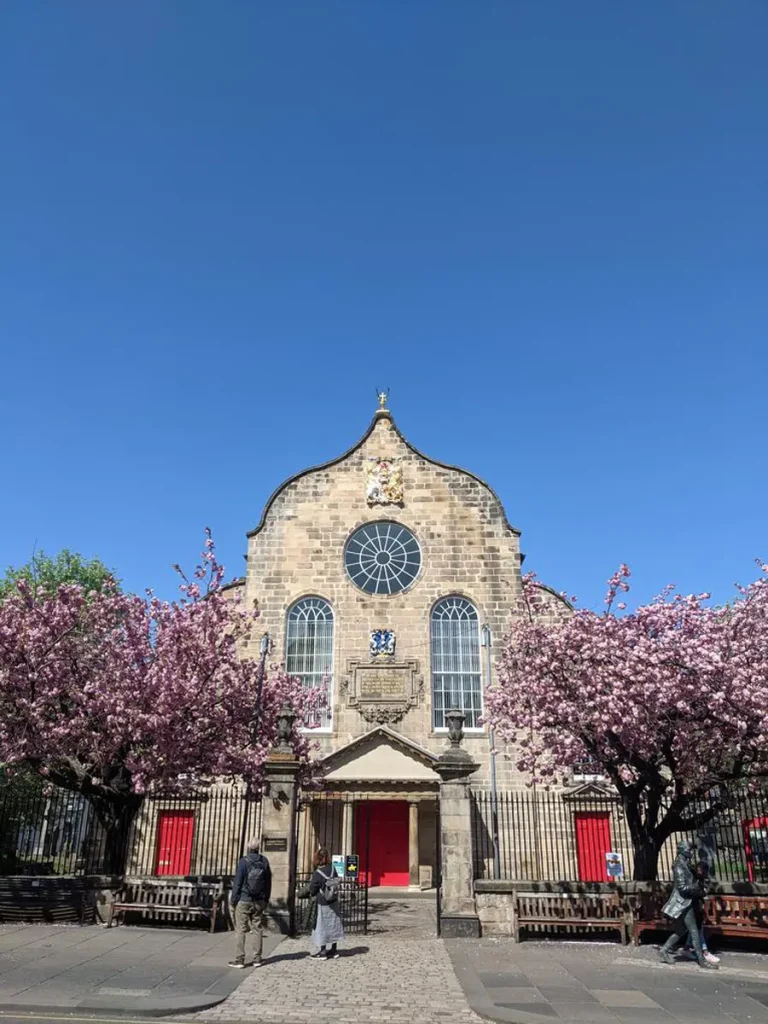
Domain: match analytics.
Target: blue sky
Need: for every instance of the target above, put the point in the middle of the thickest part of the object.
(542, 224)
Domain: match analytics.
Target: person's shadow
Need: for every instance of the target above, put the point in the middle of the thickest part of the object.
(303, 955)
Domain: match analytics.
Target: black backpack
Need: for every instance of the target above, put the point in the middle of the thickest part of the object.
(254, 882)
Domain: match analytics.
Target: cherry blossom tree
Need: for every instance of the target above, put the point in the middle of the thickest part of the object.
(109, 694)
(671, 700)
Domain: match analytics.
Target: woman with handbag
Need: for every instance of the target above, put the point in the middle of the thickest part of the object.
(325, 887)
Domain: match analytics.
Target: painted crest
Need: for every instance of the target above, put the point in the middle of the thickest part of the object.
(382, 642)
(384, 483)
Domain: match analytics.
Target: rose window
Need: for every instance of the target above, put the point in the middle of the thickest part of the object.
(382, 558)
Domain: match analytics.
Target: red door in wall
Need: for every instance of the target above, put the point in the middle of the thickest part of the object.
(593, 841)
(756, 847)
(381, 831)
(174, 842)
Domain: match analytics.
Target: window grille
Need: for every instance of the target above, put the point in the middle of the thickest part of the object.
(456, 680)
(309, 649)
(382, 558)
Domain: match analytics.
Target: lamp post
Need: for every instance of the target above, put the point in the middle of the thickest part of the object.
(486, 643)
(264, 649)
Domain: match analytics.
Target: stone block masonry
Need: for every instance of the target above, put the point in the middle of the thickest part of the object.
(467, 547)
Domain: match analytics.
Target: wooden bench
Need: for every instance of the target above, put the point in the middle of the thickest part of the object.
(165, 901)
(49, 899)
(575, 912)
(745, 916)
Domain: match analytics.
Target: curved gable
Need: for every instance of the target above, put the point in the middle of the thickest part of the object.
(379, 415)
(549, 604)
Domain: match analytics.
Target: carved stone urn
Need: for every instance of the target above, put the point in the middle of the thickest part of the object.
(285, 719)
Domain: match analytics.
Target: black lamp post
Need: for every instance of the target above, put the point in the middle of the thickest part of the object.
(265, 649)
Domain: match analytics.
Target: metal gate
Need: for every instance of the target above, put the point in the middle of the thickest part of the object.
(325, 820)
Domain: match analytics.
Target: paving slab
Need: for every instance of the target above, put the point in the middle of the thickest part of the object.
(603, 982)
(125, 971)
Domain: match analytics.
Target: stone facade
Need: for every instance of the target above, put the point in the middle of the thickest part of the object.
(468, 549)
(380, 743)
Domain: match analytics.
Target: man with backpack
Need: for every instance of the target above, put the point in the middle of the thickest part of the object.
(250, 895)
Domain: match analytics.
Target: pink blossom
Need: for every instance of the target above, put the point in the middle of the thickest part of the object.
(120, 693)
(671, 700)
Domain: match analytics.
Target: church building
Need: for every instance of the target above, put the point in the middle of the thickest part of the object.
(379, 575)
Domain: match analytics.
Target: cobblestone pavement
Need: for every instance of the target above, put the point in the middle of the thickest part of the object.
(399, 973)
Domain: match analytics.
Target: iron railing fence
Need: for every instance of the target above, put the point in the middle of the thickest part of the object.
(353, 906)
(339, 825)
(565, 837)
(43, 834)
(200, 833)
(342, 827)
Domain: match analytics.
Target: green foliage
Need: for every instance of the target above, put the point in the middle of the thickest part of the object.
(20, 781)
(48, 574)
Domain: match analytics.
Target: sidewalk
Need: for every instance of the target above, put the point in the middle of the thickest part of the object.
(603, 983)
(399, 973)
(125, 970)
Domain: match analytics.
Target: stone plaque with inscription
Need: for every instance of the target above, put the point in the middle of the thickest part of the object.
(383, 692)
(276, 844)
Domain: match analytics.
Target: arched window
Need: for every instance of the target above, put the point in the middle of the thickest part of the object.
(455, 661)
(309, 648)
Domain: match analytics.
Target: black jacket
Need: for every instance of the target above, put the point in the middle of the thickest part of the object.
(239, 889)
(686, 889)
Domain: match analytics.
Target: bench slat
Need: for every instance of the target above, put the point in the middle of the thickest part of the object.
(723, 914)
(570, 911)
(167, 900)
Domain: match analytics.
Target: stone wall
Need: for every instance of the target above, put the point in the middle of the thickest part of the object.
(468, 549)
(496, 912)
(496, 900)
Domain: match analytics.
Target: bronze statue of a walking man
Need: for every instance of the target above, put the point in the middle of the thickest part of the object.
(682, 905)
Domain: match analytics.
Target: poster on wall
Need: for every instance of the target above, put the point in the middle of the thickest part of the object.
(614, 867)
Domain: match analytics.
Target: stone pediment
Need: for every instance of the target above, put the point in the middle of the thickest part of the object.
(382, 416)
(381, 755)
(591, 791)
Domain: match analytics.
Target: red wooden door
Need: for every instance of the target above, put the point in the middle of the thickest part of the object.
(756, 846)
(593, 841)
(174, 842)
(381, 830)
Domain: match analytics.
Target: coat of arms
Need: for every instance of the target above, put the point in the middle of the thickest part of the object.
(382, 642)
(384, 484)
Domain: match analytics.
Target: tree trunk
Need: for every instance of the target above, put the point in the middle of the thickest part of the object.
(645, 843)
(646, 859)
(116, 818)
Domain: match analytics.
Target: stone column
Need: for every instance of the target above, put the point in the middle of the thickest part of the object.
(413, 842)
(278, 822)
(458, 911)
